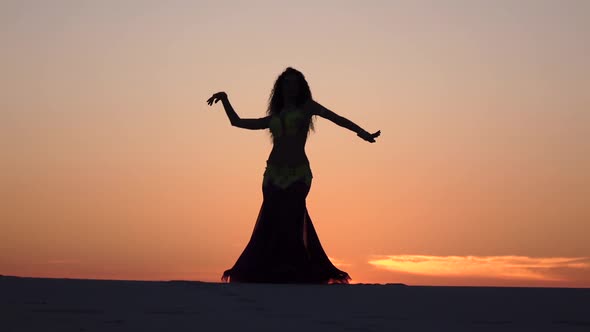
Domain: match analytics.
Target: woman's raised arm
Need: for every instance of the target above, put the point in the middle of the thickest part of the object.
(234, 118)
(318, 109)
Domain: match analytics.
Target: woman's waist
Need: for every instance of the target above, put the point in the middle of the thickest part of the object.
(290, 160)
(301, 167)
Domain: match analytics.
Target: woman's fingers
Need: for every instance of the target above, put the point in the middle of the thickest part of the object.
(214, 99)
(369, 138)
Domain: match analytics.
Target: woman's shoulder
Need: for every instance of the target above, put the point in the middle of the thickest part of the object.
(309, 107)
(312, 107)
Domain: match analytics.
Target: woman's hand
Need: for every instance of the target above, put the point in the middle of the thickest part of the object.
(217, 97)
(368, 136)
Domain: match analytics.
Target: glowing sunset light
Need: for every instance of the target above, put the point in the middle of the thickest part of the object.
(338, 262)
(512, 267)
(113, 165)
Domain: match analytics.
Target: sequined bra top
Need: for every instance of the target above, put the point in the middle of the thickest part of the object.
(287, 123)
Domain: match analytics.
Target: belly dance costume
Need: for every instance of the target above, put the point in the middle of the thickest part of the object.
(284, 246)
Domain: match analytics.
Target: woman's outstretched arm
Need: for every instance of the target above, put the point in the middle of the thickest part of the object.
(234, 118)
(318, 109)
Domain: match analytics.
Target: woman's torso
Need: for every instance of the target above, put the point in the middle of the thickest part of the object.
(289, 129)
(287, 162)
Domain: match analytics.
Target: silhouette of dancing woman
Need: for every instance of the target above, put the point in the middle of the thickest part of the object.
(284, 246)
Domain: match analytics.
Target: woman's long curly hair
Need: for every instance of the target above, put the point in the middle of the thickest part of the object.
(275, 100)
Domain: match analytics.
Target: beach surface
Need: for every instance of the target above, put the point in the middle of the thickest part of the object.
(38, 304)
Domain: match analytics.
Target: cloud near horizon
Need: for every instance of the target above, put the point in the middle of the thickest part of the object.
(502, 267)
(338, 263)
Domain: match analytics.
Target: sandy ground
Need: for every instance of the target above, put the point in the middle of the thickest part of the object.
(32, 304)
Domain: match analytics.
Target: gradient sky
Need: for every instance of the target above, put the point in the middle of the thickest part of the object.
(113, 166)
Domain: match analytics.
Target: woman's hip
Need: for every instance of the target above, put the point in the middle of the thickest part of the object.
(288, 178)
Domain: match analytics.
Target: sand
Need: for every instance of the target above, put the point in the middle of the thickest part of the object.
(37, 304)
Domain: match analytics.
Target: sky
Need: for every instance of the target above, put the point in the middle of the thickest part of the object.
(112, 165)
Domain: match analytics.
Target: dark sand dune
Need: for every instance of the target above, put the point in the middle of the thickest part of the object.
(34, 304)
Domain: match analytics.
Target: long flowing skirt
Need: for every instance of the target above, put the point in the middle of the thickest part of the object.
(284, 246)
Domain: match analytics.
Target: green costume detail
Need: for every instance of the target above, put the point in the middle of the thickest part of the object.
(284, 176)
(292, 121)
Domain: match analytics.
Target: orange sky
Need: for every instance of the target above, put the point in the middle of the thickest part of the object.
(113, 166)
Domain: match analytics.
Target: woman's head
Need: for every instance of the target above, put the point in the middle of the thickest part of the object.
(290, 84)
